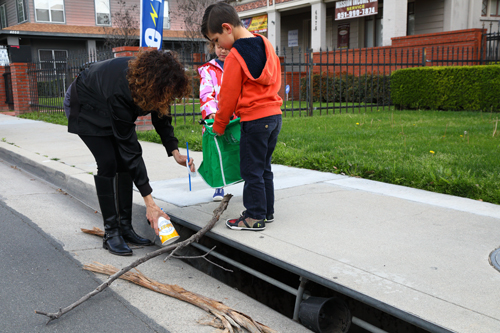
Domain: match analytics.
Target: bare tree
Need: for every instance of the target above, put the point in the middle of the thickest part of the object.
(192, 13)
(125, 28)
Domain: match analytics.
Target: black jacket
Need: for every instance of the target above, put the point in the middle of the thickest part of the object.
(101, 105)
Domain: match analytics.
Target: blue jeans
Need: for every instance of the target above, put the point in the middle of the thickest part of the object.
(257, 143)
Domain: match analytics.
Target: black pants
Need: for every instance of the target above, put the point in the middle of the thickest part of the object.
(257, 143)
(107, 157)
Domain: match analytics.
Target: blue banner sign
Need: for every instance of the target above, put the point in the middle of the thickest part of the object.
(152, 23)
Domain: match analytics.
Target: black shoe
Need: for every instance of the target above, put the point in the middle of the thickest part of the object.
(124, 196)
(116, 245)
(269, 218)
(130, 236)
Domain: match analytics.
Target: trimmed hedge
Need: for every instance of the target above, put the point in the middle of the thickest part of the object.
(471, 88)
(194, 78)
(348, 88)
(51, 88)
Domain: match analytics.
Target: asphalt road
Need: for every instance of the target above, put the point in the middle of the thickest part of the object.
(42, 251)
(36, 273)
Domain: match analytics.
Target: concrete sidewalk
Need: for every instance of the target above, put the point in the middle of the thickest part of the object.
(418, 255)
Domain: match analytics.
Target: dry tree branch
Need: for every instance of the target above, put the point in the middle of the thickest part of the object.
(98, 232)
(204, 256)
(194, 238)
(231, 319)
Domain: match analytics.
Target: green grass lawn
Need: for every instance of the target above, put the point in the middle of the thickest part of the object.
(446, 152)
(455, 153)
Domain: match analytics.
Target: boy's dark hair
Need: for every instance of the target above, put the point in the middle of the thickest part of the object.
(217, 14)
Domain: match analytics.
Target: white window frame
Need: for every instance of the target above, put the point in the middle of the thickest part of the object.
(166, 15)
(3, 16)
(23, 6)
(489, 5)
(50, 13)
(53, 61)
(109, 13)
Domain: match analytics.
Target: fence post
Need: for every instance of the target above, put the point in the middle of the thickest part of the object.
(310, 77)
(3, 95)
(20, 87)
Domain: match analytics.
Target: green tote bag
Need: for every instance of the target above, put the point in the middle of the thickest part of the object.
(221, 155)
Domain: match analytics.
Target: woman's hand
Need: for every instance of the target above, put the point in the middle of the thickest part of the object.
(181, 159)
(153, 213)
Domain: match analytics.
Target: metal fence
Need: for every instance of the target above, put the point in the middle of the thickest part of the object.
(325, 82)
(49, 79)
(8, 87)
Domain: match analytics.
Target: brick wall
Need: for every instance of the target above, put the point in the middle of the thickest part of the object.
(251, 5)
(20, 87)
(144, 123)
(450, 45)
(256, 4)
(465, 38)
(129, 51)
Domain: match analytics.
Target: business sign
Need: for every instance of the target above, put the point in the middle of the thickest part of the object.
(293, 38)
(348, 9)
(257, 24)
(343, 36)
(152, 23)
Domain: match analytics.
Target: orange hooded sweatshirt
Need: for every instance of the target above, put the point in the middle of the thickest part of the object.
(249, 98)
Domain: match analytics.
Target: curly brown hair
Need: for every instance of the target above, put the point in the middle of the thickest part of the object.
(155, 79)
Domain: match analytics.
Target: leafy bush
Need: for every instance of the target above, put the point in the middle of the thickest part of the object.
(51, 88)
(344, 87)
(447, 88)
(194, 77)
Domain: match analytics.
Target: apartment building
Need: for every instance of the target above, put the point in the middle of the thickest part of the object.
(361, 23)
(51, 29)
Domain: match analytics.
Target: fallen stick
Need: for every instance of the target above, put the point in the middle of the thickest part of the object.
(231, 319)
(174, 247)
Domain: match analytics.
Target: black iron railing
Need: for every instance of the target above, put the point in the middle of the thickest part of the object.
(9, 100)
(313, 83)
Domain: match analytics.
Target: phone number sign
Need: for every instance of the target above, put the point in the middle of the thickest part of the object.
(348, 9)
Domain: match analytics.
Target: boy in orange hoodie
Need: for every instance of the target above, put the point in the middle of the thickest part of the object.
(252, 79)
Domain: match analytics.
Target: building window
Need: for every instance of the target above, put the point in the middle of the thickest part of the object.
(53, 59)
(410, 22)
(484, 9)
(166, 18)
(49, 11)
(21, 11)
(102, 12)
(3, 16)
(494, 10)
(373, 29)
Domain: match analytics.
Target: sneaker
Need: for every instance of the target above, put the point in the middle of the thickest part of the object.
(219, 194)
(269, 218)
(246, 223)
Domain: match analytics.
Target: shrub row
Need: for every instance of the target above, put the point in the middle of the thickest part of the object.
(51, 88)
(470, 88)
(367, 88)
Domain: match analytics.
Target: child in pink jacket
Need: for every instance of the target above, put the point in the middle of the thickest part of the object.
(211, 80)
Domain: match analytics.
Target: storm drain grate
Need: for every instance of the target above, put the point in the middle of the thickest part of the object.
(495, 259)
